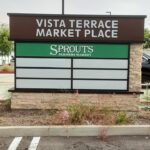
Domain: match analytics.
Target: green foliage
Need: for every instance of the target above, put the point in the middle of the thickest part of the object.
(79, 113)
(122, 118)
(82, 113)
(6, 46)
(147, 38)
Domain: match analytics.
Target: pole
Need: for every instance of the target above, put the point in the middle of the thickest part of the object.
(63, 7)
(109, 12)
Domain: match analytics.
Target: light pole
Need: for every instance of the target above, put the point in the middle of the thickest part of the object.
(63, 7)
(108, 12)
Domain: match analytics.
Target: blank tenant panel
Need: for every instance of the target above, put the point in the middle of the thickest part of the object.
(100, 85)
(100, 63)
(43, 73)
(42, 62)
(43, 84)
(100, 74)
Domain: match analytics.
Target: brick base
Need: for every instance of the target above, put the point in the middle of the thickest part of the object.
(128, 102)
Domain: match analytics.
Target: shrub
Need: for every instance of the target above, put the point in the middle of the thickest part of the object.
(79, 113)
(122, 118)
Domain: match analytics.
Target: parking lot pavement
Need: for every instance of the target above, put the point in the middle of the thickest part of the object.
(76, 143)
(6, 82)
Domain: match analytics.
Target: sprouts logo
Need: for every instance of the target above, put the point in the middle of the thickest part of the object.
(71, 50)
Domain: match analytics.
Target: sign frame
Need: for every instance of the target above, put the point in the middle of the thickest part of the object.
(136, 36)
(72, 90)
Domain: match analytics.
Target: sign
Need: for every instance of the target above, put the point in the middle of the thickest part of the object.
(57, 28)
(72, 66)
(72, 50)
(78, 28)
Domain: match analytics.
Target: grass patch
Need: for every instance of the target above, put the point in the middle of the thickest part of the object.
(80, 113)
(122, 118)
(87, 114)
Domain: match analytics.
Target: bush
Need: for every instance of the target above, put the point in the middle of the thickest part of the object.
(122, 118)
(79, 113)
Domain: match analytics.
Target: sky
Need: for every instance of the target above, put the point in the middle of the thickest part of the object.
(93, 7)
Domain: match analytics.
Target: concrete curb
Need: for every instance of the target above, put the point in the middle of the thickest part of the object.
(93, 130)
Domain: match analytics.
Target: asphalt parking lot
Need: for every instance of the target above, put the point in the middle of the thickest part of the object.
(76, 143)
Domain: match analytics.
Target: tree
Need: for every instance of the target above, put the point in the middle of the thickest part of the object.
(147, 38)
(6, 46)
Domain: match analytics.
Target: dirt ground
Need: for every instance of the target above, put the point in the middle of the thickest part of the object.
(54, 117)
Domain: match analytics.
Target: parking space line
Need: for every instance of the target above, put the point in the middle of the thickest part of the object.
(15, 143)
(34, 143)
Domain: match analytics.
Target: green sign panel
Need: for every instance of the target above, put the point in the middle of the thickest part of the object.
(72, 50)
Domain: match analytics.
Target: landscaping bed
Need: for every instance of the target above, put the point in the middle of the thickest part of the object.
(78, 114)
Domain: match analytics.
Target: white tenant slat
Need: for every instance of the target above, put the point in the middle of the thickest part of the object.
(15, 143)
(43, 84)
(100, 63)
(100, 84)
(34, 143)
(43, 73)
(100, 74)
(42, 62)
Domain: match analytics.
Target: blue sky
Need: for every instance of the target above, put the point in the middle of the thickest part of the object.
(98, 7)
